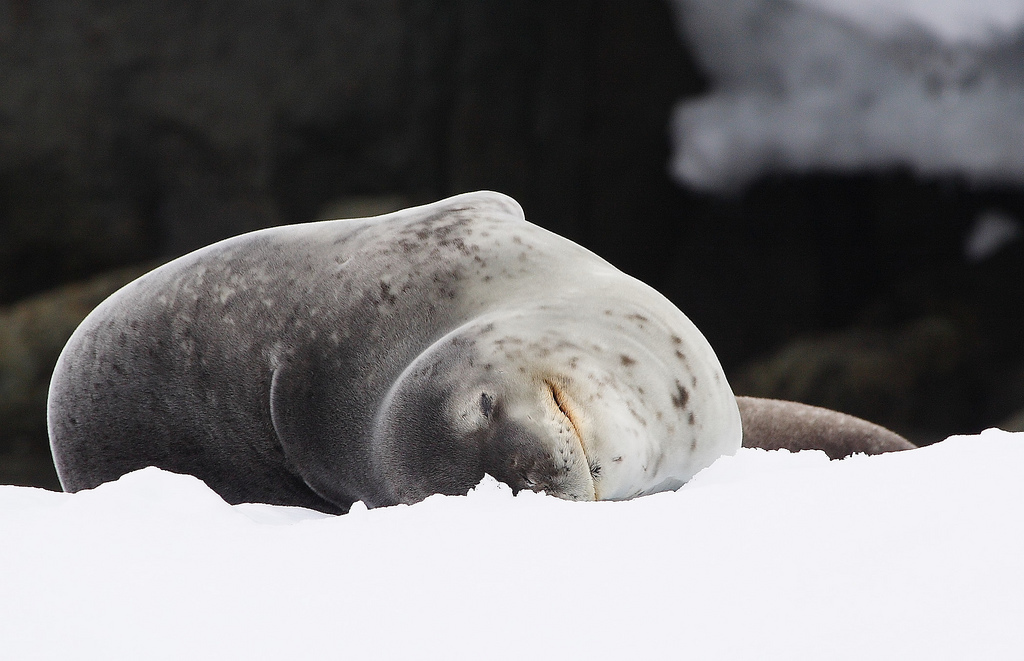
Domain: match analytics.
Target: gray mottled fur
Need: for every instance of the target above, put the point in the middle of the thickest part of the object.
(324, 363)
(183, 367)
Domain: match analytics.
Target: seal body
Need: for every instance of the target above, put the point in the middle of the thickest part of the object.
(389, 358)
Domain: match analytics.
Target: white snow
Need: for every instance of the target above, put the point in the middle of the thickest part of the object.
(801, 85)
(765, 555)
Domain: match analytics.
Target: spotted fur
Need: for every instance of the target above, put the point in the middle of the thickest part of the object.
(388, 358)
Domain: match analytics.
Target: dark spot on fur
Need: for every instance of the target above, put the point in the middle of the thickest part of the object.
(595, 469)
(386, 295)
(459, 244)
(693, 445)
(486, 404)
(639, 318)
(676, 339)
(690, 419)
(681, 397)
(639, 418)
(626, 360)
(680, 356)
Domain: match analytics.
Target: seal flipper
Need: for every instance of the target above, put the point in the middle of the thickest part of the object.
(302, 416)
(773, 424)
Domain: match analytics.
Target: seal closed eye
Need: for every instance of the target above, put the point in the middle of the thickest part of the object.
(559, 400)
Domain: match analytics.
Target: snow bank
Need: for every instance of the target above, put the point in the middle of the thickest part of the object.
(800, 85)
(763, 555)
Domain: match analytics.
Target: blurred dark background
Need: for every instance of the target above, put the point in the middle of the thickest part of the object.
(131, 132)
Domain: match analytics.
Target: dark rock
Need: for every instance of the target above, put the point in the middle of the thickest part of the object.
(130, 129)
(1013, 423)
(361, 206)
(914, 379)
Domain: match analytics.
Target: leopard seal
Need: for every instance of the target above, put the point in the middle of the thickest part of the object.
(386, 359)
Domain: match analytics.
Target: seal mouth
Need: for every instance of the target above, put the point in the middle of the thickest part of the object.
(563, 404)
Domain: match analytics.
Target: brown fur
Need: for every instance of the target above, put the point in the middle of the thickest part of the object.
(773, 424)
